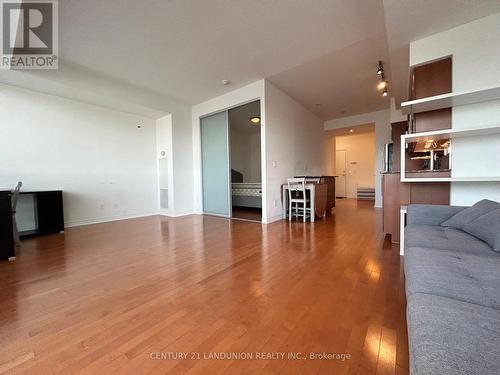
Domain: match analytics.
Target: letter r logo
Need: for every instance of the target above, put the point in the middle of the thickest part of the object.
(27, 27)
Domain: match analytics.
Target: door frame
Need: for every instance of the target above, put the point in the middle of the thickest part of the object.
(197, 128)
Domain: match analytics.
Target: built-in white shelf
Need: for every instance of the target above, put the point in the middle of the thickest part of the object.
(450, 134)
(450, 179)
(452, 99)
(446, 134)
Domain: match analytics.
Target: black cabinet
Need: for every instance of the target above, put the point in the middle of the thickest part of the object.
(49, 214)
(6, 230)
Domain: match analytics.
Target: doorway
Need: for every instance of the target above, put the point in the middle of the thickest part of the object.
(231, 163)
(341, 168)
(246, 178)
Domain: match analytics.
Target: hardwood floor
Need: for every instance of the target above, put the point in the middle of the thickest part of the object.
(247, 213)
(116, 298)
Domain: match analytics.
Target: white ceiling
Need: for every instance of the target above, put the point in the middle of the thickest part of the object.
(358, 129)
(409, 20)
(342, 83)
(183, 48)
(318, 51)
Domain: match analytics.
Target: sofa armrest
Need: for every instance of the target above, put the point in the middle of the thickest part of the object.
(430, 214)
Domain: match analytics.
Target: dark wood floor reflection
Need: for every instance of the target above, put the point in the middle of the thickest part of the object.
(115, 297)
(247, 213)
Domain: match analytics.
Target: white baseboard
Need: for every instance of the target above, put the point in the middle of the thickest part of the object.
(272, 219)
(106, 219)
(123, 217)
(178, 214)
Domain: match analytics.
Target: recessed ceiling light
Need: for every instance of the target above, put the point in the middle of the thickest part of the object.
(225, 82)
(255, 120)
(318, 104)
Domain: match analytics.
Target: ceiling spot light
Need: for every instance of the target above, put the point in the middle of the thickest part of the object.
(255, 120)
(351, 130)
(382, 85)
(380, 70)
(225, 82)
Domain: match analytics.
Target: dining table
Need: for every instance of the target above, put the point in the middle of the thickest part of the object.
(317, 197)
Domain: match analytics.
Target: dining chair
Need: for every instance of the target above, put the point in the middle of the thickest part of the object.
(297, 199)
(15, 196)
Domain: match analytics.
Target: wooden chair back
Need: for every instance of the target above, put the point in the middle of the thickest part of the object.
(296, 188)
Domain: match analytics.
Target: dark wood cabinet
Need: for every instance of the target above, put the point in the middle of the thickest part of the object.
(431, 79)
(432, 120)
(397, 130)
(330, 191)
(396, 194)
(426, 80)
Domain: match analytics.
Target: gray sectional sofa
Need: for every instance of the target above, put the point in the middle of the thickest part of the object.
(452, 272)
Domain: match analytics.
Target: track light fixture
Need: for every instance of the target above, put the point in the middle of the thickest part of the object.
(383, 84)
(380, 70)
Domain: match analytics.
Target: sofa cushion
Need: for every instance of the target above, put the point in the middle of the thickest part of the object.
(466, 216)
(487, 228)
(430, 214)
(450, 337)
(466, 277)
(437, 237)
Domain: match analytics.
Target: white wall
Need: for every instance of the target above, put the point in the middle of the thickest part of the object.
(396, 114)
(82, 87)
(182, 154)
(476, 63)
(103, 162)
(246, 154)
(360, 150)
(255, 158)
(381, 119)
(294, 144)
(164, 154)
(291, 140)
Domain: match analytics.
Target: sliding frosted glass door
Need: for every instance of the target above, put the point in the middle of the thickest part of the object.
(215, 164)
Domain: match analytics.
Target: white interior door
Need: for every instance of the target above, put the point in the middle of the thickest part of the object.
(341, 169)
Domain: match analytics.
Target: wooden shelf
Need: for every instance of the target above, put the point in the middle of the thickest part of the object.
(451, 133)
(452, 99)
